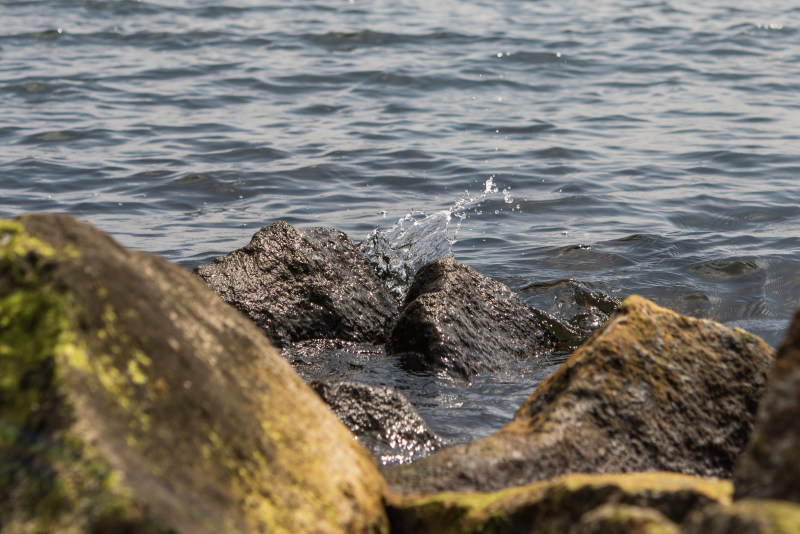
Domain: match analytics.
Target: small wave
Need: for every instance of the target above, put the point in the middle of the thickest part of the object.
(416, 239)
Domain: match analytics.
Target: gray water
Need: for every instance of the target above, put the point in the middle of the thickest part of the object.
(641, 147)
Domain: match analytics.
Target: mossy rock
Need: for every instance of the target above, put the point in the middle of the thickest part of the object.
(651, 390)
(132, 399)
(556, 506)
(748, 516)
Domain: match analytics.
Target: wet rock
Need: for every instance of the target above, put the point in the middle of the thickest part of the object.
(572, 504)
(301, 285)
(456, 319)
(382, 419)
(574, 310)
(748, 516)
(133, 400)
(651, 390)
(770, 466)
(333, 360)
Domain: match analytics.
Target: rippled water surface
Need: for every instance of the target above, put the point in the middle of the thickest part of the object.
(647, 147)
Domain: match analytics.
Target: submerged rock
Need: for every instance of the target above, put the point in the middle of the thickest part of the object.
(577, 503)
(301, 285)
(456, 319)
(382, 419)
(576, 309)
(770, 466)
(132, 399)
(651, 390)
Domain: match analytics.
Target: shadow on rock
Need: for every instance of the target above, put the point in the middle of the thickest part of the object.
(770, 467)
(132, 399)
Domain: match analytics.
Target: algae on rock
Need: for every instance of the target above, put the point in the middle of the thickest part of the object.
(650, 390)
(564, 504)
(133, 399)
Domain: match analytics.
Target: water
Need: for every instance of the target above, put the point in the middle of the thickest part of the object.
(639, 147)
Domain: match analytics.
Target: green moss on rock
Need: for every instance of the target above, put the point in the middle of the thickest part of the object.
(650, 390)
(553, 506)
(134, 400)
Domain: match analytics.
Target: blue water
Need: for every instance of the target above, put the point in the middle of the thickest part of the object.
(643, 147)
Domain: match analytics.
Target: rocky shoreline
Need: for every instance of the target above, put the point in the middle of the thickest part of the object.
(133, 399)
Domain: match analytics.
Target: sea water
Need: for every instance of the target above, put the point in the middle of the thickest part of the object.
(636, 147)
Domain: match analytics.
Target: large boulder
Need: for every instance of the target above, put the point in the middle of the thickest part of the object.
(301, 285)
(574, 504)
(132, 399)
(651, 390)
(770, 466)
(382, 419)
(456, 319)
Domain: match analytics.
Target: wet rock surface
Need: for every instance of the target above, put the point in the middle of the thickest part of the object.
(133, 400)
(571, 309)
(651, 390)
(770, 467)
(382, 419)
(304, 284)
(574, 503)
(456, 319)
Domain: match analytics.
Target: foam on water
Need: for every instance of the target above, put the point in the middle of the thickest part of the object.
(416, 239)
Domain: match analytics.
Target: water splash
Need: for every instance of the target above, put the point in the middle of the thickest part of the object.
(416, 239)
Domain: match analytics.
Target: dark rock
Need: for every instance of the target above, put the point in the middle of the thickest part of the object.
(570, 504)
(456, 319)
(770, 466)
(382, 419)
(300, 285)
(574, 309)
(748, 516)
(651, 390)
(132, 399)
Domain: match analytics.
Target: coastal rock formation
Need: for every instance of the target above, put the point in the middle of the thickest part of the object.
(770, 466)
(301, 285)
(456, 319)
(382, 419)
(650, 390)
(577, 503)
(132, 399)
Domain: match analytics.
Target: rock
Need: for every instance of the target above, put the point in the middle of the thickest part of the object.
(624, 519)
(748, 516)
(456, 319)
(301, 285)
(382, 419)
(133, 400)
(576, 309)
(650, 390)
(770, 466)
(571, 503)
